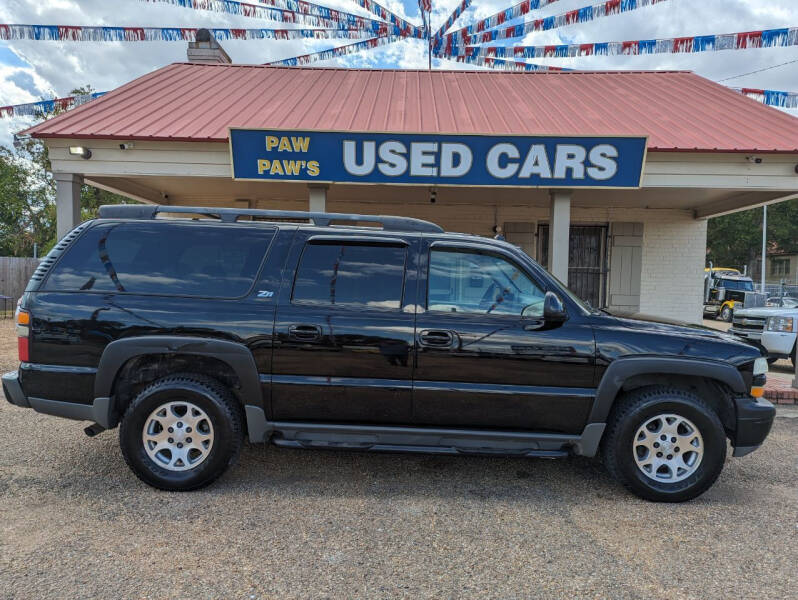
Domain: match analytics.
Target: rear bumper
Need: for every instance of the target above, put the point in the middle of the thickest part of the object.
(754, 420)
(13, 390)
(99, 411)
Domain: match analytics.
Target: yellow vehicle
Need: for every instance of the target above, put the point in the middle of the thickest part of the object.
(724, 291)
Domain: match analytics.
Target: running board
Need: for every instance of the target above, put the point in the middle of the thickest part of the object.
(323, 445)
(434, 440)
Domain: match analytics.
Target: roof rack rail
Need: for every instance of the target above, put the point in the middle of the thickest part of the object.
(231, 215)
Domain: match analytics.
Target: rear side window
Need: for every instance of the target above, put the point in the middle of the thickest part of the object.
(351, 275)
(158, 258)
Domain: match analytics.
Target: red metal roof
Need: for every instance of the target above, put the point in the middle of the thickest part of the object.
(679, 111)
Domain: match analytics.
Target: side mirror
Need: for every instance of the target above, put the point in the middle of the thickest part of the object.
(553, 309)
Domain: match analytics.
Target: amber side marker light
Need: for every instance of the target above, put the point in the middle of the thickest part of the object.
(760, 372)
(23, 333)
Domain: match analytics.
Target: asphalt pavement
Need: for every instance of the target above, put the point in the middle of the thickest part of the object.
(76, 523)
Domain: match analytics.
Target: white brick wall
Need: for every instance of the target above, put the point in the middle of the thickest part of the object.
(672, 281)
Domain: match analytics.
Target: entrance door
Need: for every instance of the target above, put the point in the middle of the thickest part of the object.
(586, 260)
(484, 357)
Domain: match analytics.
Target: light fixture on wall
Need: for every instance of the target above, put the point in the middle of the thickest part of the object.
(81, 151)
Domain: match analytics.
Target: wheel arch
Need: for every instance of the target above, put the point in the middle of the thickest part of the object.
(121, 356)
(631, 373)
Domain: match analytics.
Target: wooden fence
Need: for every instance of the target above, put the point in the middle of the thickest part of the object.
(14, 276)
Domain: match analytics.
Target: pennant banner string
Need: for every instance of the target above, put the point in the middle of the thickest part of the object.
(514, 12)
(38, 109)
(505, 64)
(771, 97)
(282, 11)
(303, 12)
(408, 29)
(464, 4)
(770, 38)
(580, 15)
(72, 33)
(307, 59)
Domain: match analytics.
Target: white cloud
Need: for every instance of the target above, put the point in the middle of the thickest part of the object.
(54, 68)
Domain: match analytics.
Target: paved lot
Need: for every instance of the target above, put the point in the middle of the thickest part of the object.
(74, 522)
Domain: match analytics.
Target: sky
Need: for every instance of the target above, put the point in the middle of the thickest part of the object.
(36, 70)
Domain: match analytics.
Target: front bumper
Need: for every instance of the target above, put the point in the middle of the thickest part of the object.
(747, 333)
(754, 420)
(778, 344)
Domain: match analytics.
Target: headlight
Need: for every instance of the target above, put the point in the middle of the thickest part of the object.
(784, 324)
(760, 366)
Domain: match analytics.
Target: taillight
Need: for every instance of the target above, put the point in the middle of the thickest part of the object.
(23, 334)
(23, 349)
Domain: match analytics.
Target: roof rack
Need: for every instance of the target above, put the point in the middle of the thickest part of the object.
(231, 215)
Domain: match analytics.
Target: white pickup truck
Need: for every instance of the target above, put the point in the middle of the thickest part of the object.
(775, 327)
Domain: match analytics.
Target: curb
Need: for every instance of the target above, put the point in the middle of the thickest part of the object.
(781, 393)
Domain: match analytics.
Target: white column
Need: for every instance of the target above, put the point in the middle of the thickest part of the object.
(317, 198)
(559, 232)
(67, 202)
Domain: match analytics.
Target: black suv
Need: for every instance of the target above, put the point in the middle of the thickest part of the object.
(361, 332)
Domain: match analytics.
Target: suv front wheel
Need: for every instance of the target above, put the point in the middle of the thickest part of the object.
(181, 432)
(664, 444)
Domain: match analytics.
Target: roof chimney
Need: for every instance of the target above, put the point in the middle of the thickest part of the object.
(207, 50)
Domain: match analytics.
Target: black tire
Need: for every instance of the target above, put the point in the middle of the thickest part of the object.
(794, 357)
(221, 408)
(726, 314)
(632, 411)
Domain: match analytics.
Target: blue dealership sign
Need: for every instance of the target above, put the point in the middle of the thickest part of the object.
(437, 159)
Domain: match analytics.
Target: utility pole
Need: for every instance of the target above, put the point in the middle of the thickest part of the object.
(764, 245)
(429, 43)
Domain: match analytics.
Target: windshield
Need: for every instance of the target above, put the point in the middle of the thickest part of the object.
(737, 284)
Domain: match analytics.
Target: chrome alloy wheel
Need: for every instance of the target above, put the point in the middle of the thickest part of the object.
(668, 448)
(178, 436)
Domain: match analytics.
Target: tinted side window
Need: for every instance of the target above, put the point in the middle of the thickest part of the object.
(350, 274)
(472, 282)
(163, 258)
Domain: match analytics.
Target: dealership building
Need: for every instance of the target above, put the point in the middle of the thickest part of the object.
(607, 178)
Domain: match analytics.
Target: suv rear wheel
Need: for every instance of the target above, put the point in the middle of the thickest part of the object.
(664, 444)
(181, 432)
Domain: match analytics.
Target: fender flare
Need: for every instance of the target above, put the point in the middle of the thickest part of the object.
(236, 355)
(622, 369)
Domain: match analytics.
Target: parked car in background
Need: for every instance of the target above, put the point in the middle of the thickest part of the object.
(785, 301)
(311, 330)
(774, 327)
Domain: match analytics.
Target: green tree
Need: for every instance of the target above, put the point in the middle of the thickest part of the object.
(735, 240)
(27, 196)
(27, 212)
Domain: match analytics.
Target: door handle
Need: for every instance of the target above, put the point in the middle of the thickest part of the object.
(438, 338)
(305, 333)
